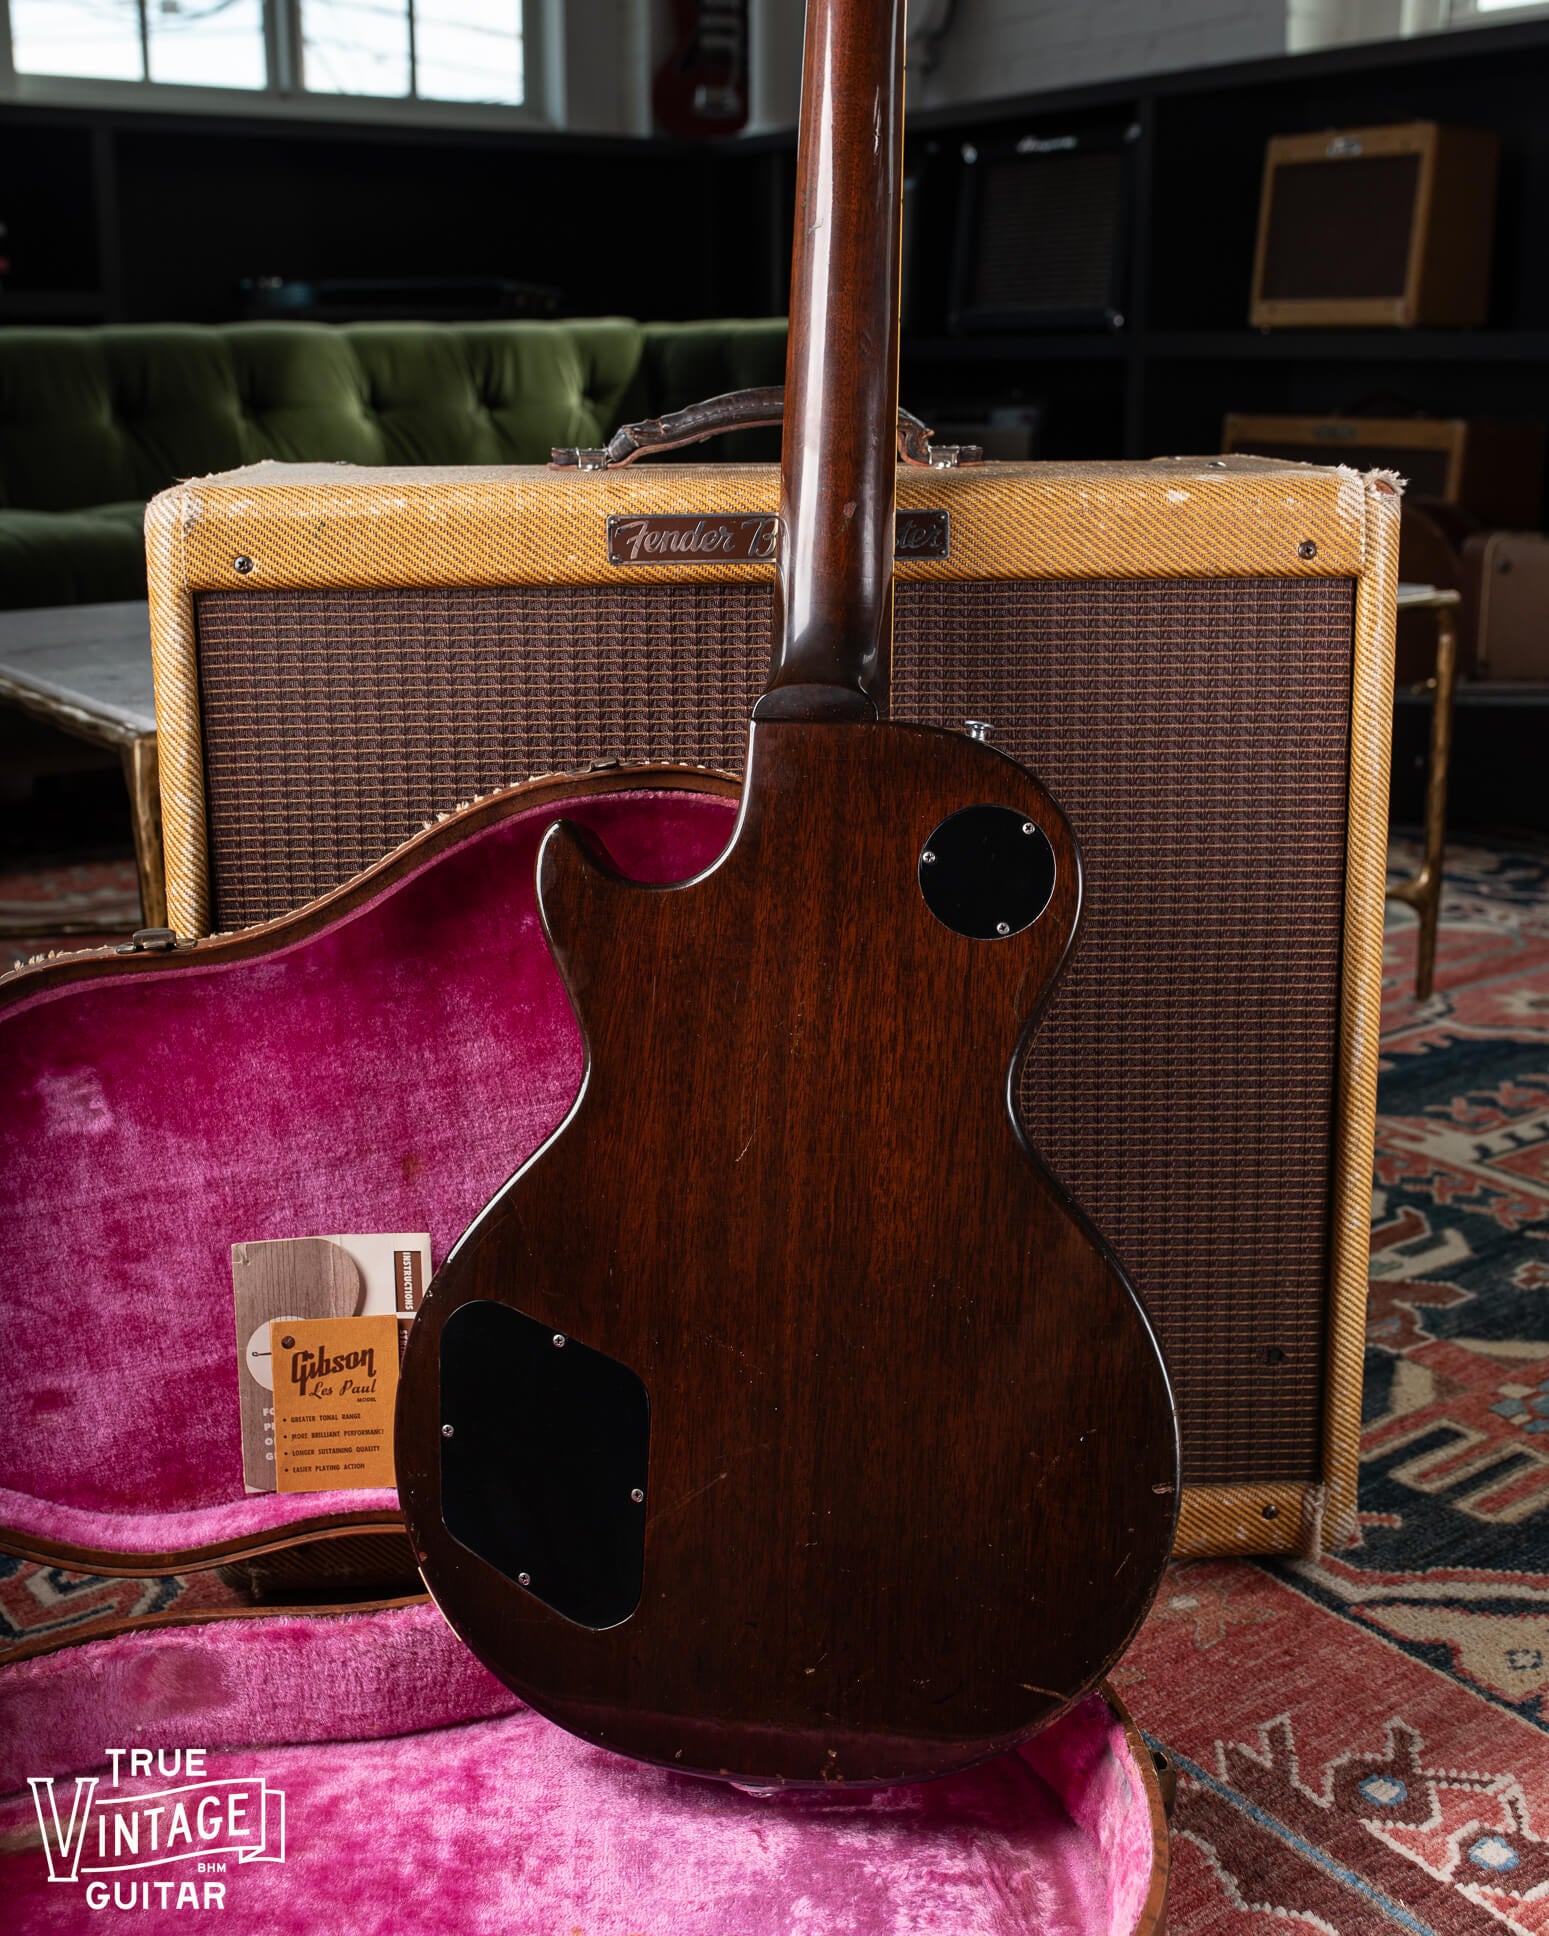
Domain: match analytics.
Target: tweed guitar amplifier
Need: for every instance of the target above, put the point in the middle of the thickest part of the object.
(1195, 656)
(1506, 591)
(1364, 226)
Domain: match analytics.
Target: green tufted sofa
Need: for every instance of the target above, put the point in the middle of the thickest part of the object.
(95, 421)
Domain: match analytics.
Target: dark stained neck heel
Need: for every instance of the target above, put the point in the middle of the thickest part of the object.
(833, 624)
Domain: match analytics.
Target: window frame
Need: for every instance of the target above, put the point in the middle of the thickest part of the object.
(1465, 13)
(282, 97)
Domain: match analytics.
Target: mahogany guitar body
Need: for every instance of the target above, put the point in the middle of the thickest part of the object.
(852, 1457)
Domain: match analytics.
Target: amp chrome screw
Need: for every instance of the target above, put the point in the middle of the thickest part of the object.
(559, 1340)
(637, 1495)
(524, 1579)
(446, 1431)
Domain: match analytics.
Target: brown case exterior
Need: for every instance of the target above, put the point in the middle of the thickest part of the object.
(1506, 591)
(1444, 277)
(1493, 469)
(1196, 656)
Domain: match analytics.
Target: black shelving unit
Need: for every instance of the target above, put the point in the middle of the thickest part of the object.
(1186, 355)
(121, 215)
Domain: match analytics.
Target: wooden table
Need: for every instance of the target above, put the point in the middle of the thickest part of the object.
(1422, 891)
(86, 669)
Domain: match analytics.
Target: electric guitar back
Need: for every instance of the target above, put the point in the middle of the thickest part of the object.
(782, 1418)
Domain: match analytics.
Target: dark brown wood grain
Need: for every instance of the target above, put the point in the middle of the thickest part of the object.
(913, 1460)
(834, 590)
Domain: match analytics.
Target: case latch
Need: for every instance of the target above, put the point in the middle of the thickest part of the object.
(149, 941)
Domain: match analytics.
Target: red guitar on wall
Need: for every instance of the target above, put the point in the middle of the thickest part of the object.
(701, 89)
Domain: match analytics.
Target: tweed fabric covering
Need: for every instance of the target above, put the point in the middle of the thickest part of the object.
(1355, 1112)
(326, 524)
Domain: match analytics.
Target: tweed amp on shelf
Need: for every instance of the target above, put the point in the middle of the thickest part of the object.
(1373, 227)
(1194, 655)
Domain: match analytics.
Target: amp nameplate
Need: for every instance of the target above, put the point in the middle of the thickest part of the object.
(721, 539)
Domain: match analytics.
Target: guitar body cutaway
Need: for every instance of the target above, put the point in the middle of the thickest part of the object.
(903, 1442)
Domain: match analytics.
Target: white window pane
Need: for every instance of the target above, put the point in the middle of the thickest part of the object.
(97, 38)
(355, 46)
(207, 43)
(468, 50)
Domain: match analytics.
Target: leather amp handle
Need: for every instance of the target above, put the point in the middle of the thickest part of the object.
(742, 410)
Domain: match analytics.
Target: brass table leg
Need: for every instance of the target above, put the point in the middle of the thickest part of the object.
(1423, 890)
(142, 777)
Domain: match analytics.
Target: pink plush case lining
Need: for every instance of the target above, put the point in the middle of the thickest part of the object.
(386, 1074)
(389, 1074)
(396, 1819)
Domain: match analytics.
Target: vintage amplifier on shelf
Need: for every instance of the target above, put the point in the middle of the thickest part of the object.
(1495, 470)
(1042, 231)
(1195, 656)
(1506, 594)
(1365, 226)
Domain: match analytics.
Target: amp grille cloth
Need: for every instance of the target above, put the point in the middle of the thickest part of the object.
(1196, 734)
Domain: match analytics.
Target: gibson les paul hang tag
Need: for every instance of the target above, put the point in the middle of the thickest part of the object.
(335, 1383)
(312, 1277)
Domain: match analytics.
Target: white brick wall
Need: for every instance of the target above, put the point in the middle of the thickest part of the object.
(999, 47)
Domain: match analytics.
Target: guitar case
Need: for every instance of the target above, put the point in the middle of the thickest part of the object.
(378, 1061)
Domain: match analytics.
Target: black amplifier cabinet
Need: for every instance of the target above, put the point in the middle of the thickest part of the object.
(1043, 227)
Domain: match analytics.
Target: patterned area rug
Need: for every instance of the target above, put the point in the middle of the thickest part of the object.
(51, 1601)
(1362, 1742)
